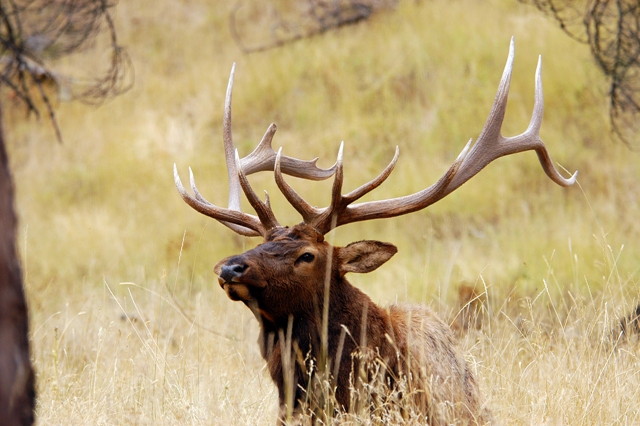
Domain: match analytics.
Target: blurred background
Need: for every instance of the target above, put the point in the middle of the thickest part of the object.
(128, 323)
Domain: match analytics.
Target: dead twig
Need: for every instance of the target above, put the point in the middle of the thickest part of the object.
(299, 19)
(612, 30)
(35, 32)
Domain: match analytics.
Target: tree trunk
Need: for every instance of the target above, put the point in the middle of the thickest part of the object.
(17, 391)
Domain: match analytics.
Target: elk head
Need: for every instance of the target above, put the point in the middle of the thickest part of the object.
(286, 275)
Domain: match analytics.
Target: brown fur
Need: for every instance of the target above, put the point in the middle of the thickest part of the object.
(285, 290)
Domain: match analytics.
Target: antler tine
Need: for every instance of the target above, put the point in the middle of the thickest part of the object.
(229, 149)
(358, 193)
(328, 219)
(232, 172)
(243, 223)
(336, 191)
(491, 130)
(263, 209)
(263, 159)
(321, 219)
(538, 102)
(305, 209)
(534, 127)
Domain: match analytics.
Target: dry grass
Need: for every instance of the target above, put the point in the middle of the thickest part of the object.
(128, 323)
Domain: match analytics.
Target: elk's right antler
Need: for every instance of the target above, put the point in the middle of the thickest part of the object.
(489, 146)
(262, 158)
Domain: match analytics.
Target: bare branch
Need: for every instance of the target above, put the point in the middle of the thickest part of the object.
(298, 20)
(34, 32)
(612, 30)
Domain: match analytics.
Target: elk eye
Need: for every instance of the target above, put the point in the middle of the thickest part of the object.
(306, 257)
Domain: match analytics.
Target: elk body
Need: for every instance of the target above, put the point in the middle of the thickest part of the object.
(283, 282)
(315, 325)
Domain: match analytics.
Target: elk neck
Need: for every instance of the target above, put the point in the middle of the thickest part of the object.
(350, 310)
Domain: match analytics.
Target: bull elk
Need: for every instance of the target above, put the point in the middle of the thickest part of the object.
(312, 320)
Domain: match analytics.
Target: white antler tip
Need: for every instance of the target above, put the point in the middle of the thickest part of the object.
(512, 51)
(505, 81)
(230, 87)
(239, 169)
(231, 74)
(176, 177)
(510, 58)
(465, 151)
(539, 72)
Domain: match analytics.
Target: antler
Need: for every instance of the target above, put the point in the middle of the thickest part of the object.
(262, 158)
(489, 146)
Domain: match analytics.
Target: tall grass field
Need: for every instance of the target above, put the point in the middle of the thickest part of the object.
(128, 322)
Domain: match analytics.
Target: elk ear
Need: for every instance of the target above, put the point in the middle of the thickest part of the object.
(364, 256)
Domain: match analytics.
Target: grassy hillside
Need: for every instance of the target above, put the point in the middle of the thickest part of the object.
(128, 323)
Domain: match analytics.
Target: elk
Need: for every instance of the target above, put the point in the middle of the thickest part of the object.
(312, 320)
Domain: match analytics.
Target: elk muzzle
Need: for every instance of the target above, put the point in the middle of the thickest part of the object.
(231, 273)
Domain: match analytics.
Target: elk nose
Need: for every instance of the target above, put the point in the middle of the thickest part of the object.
(230, 273)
